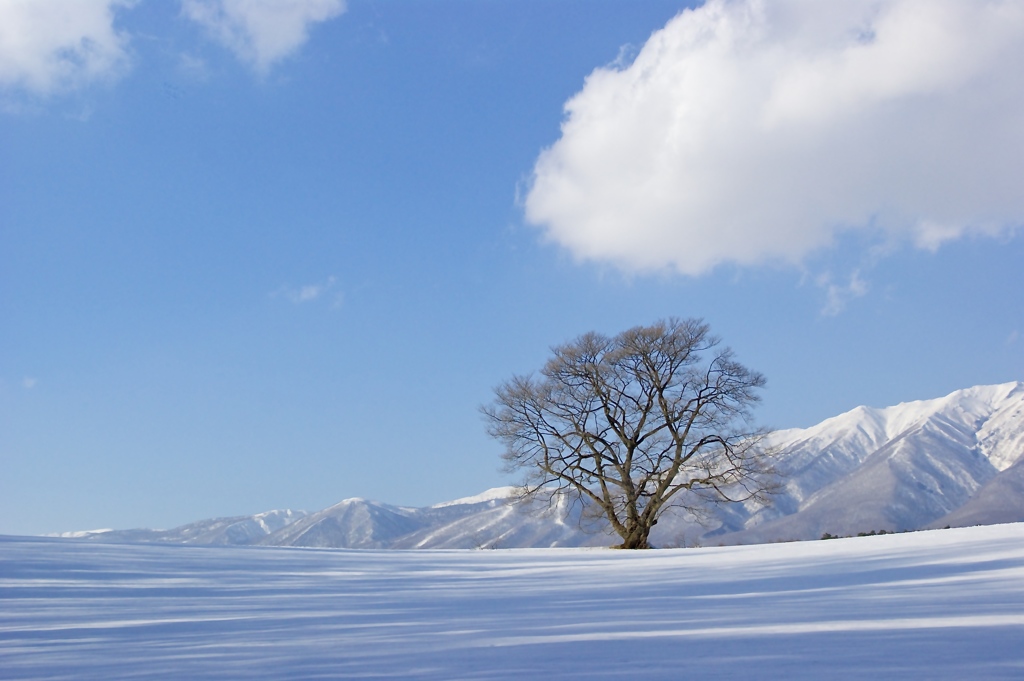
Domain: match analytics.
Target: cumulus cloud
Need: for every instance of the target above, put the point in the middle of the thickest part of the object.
(748, 131)
(261, 32)
(58, 45)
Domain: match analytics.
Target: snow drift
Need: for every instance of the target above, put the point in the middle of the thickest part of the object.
(946, 604)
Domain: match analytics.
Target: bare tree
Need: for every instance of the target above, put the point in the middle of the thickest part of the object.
(653, 418)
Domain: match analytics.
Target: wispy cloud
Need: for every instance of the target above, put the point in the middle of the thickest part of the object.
(749, 131)
(1013, 337)
(50, 46)
(261, 32)
(28, 382)
(325, 290)
(837, 296)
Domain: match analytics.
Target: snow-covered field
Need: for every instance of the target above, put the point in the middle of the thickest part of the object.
(929, 605)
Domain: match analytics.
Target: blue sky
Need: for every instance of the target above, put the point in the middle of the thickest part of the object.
(259, 258)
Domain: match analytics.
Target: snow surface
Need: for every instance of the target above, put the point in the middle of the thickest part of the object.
(931, 605)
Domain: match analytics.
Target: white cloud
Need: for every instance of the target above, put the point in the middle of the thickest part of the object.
(261, 32)
(49, 46)
(28, 382)
(310, 292)
(749, 131)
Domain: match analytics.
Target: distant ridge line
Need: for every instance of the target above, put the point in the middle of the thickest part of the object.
(953, 461)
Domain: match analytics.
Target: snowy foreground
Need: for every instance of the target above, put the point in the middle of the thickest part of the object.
(929, 605)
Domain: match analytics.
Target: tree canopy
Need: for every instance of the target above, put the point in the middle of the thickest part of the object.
(655, 417)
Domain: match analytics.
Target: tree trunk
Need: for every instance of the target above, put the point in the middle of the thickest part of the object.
(636, 538)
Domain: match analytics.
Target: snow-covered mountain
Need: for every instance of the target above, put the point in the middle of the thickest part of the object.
(215, 531)
(956, 460)
(905, 467)
(488, 520)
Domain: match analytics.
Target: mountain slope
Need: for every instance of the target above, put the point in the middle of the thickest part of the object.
(215, 531)
(899, 468)
(1001, 500)
(353, 523)
(487, 520)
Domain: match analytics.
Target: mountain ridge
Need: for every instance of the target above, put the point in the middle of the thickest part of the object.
(953, 460)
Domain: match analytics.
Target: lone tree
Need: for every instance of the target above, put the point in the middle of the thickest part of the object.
(655, 417)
